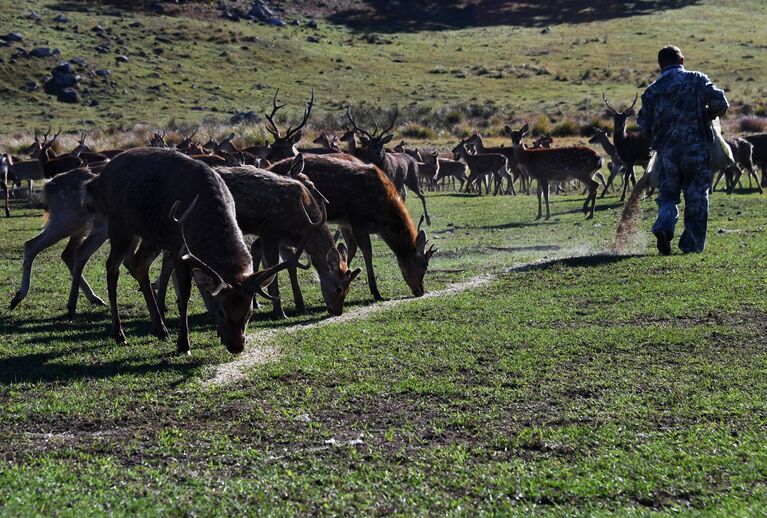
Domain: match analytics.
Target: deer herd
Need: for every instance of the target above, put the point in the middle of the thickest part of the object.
(193, 204)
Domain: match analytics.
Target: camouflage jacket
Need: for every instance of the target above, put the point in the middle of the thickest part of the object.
(677, 108)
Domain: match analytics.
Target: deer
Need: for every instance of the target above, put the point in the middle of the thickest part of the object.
(616, 164)
(157, 140)
(85, 150)
(363, 200)
(742, 151)
(274, 208)
(559, 165)
(429, 168)
(633, 147)
(507, 151)
(284, 145)
(451, 168)
(483, 164)
(188, 146)
(326, 141)
(208, 243)
(400, 167)
(759, 154)
(5, 166)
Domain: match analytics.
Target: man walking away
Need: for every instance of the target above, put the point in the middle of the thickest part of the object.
(676, 113)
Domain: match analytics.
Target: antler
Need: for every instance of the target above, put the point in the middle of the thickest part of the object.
(636, 97)
(270, 118)
(393, 121)
(609, 108)
(185, 254)
(307, 111)
(354, 123)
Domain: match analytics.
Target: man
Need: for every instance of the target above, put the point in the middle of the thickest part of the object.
(676, 113)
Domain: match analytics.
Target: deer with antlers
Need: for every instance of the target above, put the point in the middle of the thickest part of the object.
(285, 145)
(400, 167)
(206, 237)
(558, 165)
(633, 148)
(363, 200)
(327, 141)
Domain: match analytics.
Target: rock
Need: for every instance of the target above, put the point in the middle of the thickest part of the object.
(103, 72)
(68, 95)
(94, 102)
(546, 30)
(43, 52)
(136, 25)
(13, 36)
(261, 11)
(31, 86)
(78, 61)
(158, 51)
(103, 49)
(60, 18)
(98, 28)
(34, 15)
(121, 59)
(63, 68)
(277, 22)
(313, 39)
(312, 24)
(162, 39)
(296, 23)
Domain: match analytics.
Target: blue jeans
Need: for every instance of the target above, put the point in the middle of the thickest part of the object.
(689, 173)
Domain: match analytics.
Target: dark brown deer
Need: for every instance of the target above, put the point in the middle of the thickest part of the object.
(209, 244)
(157, 140)
(327, 141)
(615, 166)
(483, 164)
(363, 200)
(742, 151)
(400, 167)
(558, 165)
(632, 146)
(452, 168)
(759, 154)
(507, 151)
(188, 146)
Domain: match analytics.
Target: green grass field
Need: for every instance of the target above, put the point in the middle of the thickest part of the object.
(588, 383)
(209, 67)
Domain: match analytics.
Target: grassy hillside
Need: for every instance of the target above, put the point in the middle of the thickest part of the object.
(196, 66)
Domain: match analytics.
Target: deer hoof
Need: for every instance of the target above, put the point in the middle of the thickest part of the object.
(16, 301)
(119, 337)
(97, 301)
(279, 315)
(182, 348)
(161, 333)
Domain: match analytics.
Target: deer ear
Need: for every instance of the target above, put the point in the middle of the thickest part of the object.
(207, 283)
(525, 129)
(351, 275)
(344, 252)
(295, 139)
(333, 259)
(297, 166)
(387, 139)
(420, 241)
(507, 130)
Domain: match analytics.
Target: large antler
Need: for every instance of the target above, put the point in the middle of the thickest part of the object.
(354, 123)
(307, 111)
(274, 130)
(186, 255)
(636, 97)
(393, 121)
(609, 108)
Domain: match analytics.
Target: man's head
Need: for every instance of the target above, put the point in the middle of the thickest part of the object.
(670, 56)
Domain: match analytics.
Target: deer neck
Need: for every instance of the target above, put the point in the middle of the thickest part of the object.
(317, 247)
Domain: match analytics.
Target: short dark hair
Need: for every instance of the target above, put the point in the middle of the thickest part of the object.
(669, 56)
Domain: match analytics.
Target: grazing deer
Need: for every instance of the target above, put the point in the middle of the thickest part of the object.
(284, 146)
(483, 164)
(363, 200)
(559, 165)
(633, 148)
(400, 167)
(742, 151)
(452, 168)
(759, 153)
(209, 244)
(508, 151)
(428, 169)
(67, 217)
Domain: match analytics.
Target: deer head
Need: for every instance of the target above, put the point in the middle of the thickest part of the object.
(461, 150)
(600, 136)
(325, 140)
(619, 118)
(415, 265)
(338, 278)
(43, 149)
(517, 135)
(187, 140)
(284, 145)
(373, 146)
(81, 146)
(231, 305)
(157, 140)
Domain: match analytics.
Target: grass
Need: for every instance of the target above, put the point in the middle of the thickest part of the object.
(587, 384)
(211, 67)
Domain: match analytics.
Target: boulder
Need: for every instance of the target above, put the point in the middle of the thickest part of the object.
(43, 52)
(68, 95)
(261, 11)
(277, 22)
(60, 18)
(121, 59)
(13, 36)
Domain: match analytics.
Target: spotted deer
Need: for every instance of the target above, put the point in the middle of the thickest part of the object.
(507, 151)
(208, 243)
(559, 165)
(363, 200)
(483, 164)
(633, 148)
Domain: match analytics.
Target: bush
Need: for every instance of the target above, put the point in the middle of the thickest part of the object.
(541, 126)
(752, 124)
(566, 128)
(416, 131)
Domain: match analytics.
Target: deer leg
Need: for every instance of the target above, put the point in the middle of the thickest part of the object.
(362, 235)
(161, 285)
(540, 193)
(627, 175)
(613, 173)
(7, 206)
(257, 253)
(76, 262)
(298, 297)
(756, 179)
(142, 262)
(271, 258)
(591, 200)
(351, 243)
(119, 248)
(51, 235)
(546, 197)
(184, 284)
(425, 210)
(718, 178)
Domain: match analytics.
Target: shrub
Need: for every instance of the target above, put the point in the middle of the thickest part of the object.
(541, 126)
(566, 128)
(752, 124)
(416, 131)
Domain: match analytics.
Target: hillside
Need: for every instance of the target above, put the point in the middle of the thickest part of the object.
(192, 65)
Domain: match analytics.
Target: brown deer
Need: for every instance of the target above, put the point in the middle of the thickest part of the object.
(742, 151)
(616, 165)
(326, 141)
(157, 140)
(188, 146)
(483, 164)
(223, 269)
(633, 148)
(559, 165)
(363, 200)
(507, 151)
(67, 217)
(400, 167)
(5, 166)
(86, 151)
(452, 168)
(759, 153)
